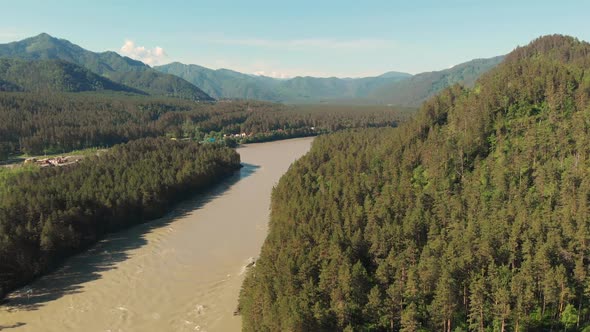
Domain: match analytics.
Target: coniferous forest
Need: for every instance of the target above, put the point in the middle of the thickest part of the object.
(56, 123)
(387, 166)
(472, 216)
(161, 153)
(50, 213)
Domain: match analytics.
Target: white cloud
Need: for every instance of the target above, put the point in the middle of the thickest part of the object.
(152, 56)
(273, 74)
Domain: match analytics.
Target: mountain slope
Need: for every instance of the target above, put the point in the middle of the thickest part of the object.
(53, 76)
(394, 74)
(473, 216)
(415, 90)
(332, 89)
(224, 83)
(108, 64)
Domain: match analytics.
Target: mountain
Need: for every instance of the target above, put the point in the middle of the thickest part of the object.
(332, 89)
(389, 88)
(228, 84)
(111, 65)
(186, 81)
(224, 83)
(415, 90)
(473, 216)
(53, 76)
(394, 74)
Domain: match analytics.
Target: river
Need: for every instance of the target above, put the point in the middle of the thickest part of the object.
(179, 273)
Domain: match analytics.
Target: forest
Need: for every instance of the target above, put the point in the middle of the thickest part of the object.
(38, 124)
(473, 216)
(47, 214)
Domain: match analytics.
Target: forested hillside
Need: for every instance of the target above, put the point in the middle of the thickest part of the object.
(56, 123)
(111, 65)
(50, 213)
(224, 83)
(415, 90)
(51, 76)
(473, 216)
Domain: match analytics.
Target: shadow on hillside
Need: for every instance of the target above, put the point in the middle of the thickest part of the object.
(12, 162)
(89, 265)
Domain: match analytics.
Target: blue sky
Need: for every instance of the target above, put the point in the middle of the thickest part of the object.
(284, 39)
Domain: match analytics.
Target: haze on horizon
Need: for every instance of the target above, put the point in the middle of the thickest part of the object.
(328, 38)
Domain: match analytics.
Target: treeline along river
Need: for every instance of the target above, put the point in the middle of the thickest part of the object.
(180, 272)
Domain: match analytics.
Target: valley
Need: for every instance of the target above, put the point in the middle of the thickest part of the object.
(308, 166)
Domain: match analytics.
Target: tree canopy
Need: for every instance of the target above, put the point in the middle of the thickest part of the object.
(55, 123)
(50, 213)
(472, 216)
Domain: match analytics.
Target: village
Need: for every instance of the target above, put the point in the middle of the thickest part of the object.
(50, 162)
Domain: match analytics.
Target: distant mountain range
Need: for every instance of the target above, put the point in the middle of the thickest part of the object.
(228, 84)
(390, 88)
(134, 74)
(45, 63)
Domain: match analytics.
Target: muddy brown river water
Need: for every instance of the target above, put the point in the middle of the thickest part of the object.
(179, 273)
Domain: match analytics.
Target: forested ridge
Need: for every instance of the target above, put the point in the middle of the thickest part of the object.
(123, 70)
(418, 88)
(50, 213)
(55, 123)
(472, 216)
(51, 76)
